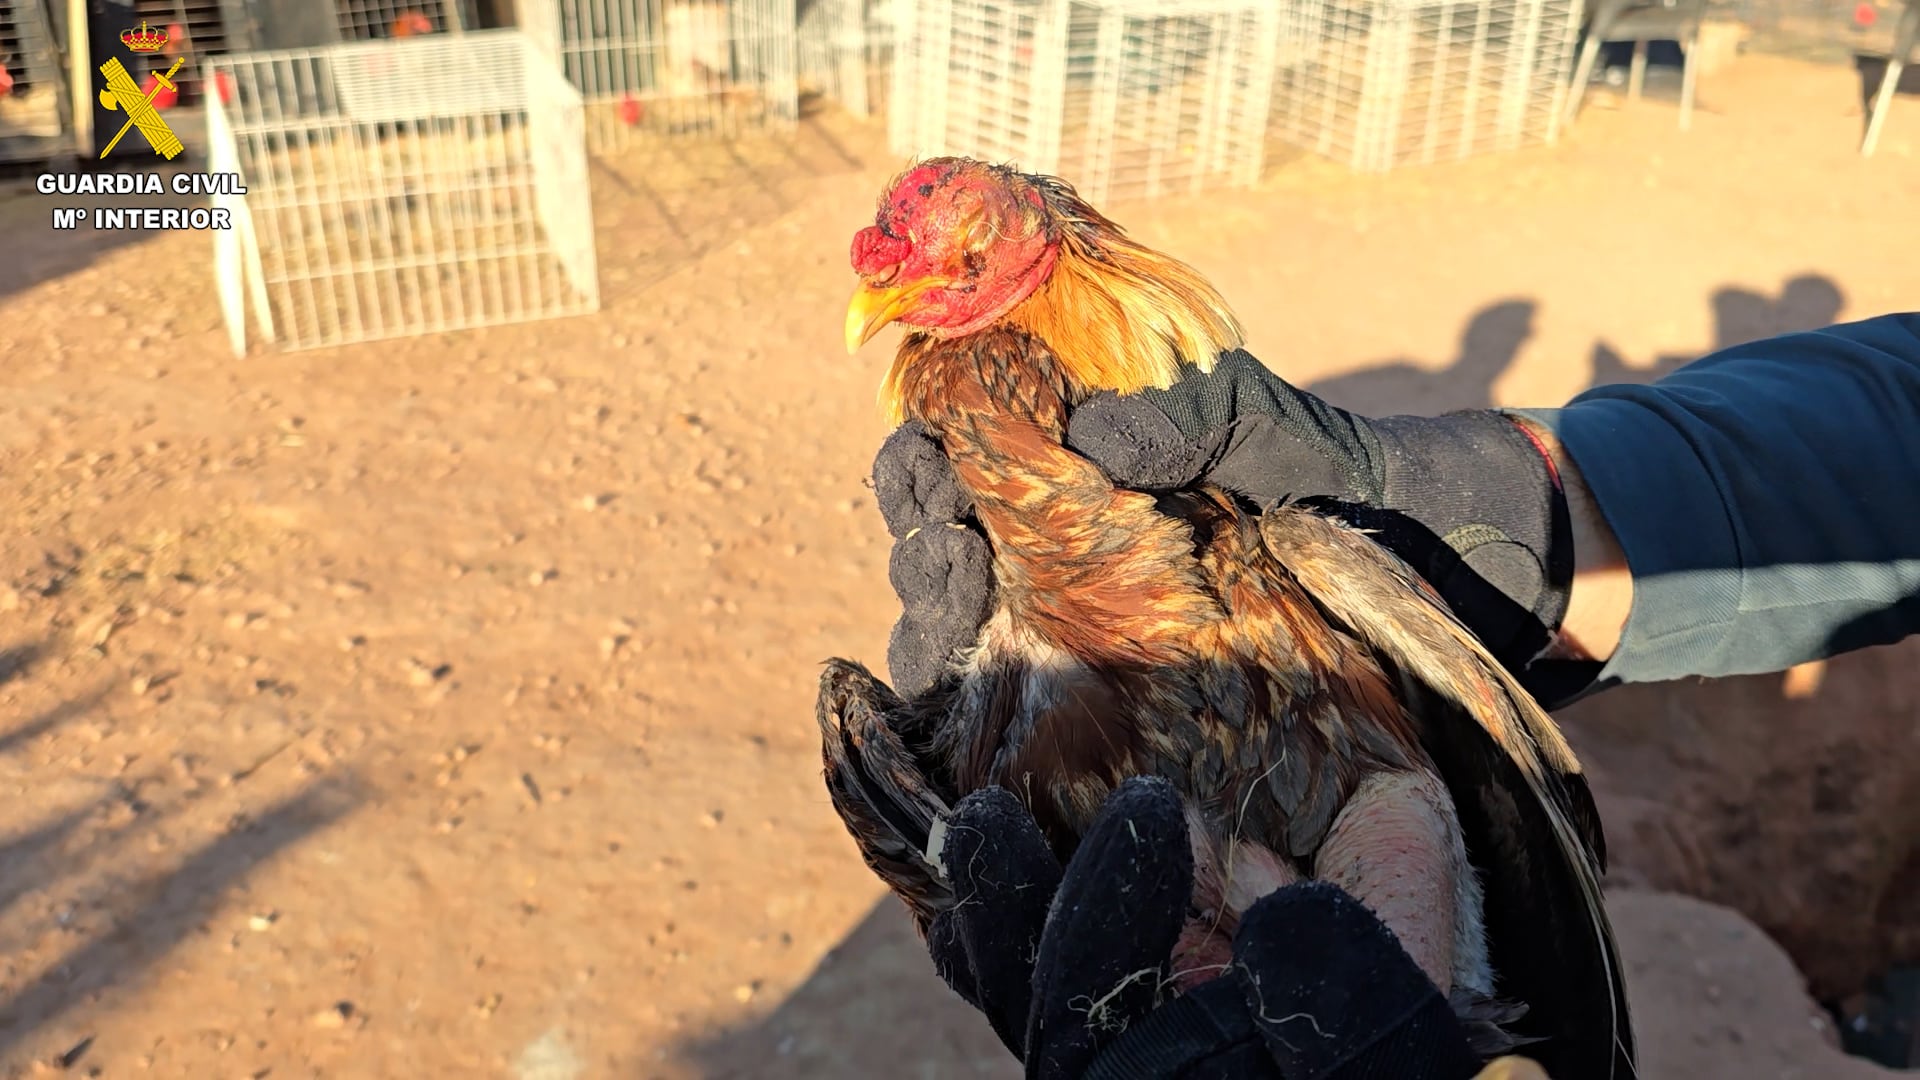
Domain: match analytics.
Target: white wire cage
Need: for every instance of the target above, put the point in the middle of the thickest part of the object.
(371, 20)
(31, 107)
(660, 68)
(196, 29)
(396, 188)
(1387, 83)
(1126, 99)
(845, 50)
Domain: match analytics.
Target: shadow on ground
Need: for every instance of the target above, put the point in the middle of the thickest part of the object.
(873, 998)
(671, 201)
(37, 252)
(1494, 336)
(123, 925)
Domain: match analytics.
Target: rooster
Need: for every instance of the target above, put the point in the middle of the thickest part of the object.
(410, 23)
(1315, 703)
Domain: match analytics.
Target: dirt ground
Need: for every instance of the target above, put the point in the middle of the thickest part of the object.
(444, 707)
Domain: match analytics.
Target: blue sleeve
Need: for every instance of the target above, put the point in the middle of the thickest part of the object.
(1767, 498)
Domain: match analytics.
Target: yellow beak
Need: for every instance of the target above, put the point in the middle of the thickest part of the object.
(874, 306)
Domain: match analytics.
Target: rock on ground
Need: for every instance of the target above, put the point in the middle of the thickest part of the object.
(1714, 998)
(1794, 798)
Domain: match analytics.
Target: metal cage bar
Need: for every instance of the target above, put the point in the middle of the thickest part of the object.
(1387, 83)
(664, 68)
(1127, 99)
(32, 109)
(845, 51)
(374, 20)
(402, 187)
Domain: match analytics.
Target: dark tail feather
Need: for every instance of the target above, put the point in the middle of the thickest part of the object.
(1487, 1021)
(1553, 944)
(880, 787)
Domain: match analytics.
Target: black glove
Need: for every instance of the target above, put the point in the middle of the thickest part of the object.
(941, 567)
(1069, 966)
(1468, 499)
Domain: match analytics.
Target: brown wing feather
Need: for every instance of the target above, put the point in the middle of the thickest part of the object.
(883, 783)
(1307, 709)
(1542, 858)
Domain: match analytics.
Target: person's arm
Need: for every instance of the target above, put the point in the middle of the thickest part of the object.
(1766, 499)
(1752, 511)
(1600, 594)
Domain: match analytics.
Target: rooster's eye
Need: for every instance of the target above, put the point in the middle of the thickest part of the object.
(979, 235)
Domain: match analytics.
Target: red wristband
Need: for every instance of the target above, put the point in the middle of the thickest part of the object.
(1553, 471)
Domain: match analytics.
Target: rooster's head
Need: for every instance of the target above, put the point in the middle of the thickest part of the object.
(960, 245)
(957, 244)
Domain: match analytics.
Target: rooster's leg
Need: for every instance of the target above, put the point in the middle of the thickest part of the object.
(1229, 875)
(1397, 848)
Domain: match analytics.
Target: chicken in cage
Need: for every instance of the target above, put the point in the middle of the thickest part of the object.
(30, 105)
(369, 20)
(673, 67)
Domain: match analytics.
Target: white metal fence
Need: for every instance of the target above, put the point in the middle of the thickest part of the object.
(651, 68)
(1384, 83)
(846, 51)
(1126, 99)
(401, 187)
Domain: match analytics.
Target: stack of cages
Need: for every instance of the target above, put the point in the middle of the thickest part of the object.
(197, 30)
(33, 108)
(1125, 99)
(1380, 84)
(845, 52)
(396, 188)
(372, 20)
(648, 69)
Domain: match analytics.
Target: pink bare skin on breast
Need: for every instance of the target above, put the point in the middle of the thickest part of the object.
(1396, 847)
(1225, 884)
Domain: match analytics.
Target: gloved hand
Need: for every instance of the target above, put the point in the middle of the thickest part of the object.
(1469, 500)
(941, 566)
(1068, 966)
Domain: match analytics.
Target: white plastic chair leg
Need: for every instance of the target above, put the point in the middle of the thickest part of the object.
(1688, 70)
(1903, 40)
(1583, 74)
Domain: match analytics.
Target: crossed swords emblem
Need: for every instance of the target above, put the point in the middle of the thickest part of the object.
(122, 94)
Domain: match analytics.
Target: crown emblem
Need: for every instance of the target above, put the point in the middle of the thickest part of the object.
(145, 39)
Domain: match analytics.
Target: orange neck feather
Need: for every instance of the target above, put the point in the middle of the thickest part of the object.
(1123, 317)
(1118, 315)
